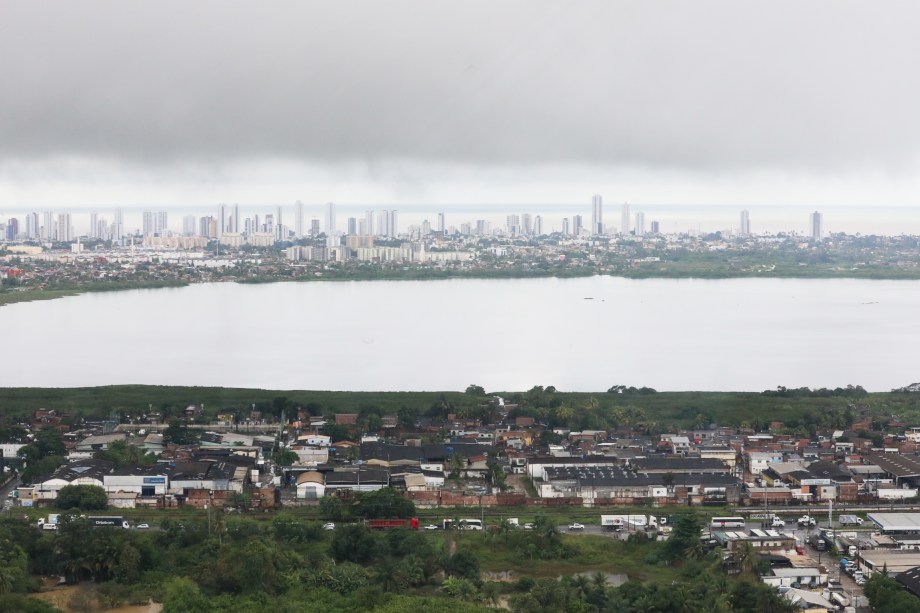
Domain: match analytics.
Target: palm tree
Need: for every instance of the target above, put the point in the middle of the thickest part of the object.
(748, 559)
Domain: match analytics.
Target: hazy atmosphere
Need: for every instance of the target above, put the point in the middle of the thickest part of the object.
(418, 102)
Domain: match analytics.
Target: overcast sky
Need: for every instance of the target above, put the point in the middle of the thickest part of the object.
(420, 101)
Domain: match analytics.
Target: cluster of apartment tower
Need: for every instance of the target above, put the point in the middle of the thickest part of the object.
(228, 224)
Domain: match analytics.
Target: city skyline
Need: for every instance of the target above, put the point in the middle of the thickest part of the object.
(230, 219)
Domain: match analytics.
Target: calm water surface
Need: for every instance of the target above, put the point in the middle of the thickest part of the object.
(577, 334)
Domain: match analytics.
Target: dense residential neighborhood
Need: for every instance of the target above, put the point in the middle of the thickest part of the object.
(752, 482)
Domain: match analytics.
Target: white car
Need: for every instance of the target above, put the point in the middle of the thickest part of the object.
(431, 527)
(143, 526)
(528, 526)
(576, 526)
(329, 526)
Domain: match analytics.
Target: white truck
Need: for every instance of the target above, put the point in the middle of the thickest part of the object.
(51, 523)
(632, 522)
(807, 521)
(850, 520)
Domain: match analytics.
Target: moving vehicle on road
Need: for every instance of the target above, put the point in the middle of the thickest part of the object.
(727, 522)
(807, 520)
(329, 526)
(576, 526)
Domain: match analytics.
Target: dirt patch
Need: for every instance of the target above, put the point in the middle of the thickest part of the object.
(61, 597)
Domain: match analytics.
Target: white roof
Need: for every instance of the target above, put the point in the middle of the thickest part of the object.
(897, 522)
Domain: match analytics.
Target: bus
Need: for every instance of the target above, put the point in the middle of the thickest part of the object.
(727, 522)
(471, 524)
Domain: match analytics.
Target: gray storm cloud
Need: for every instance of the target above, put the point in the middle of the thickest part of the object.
(685, 85)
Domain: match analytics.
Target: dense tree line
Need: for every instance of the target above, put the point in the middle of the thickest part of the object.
(286, 564)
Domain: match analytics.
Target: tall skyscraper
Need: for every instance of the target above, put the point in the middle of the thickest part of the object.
(118, 225)
(426, 228)
(64, 228)
(526, 224)
(441, 227)
(314, 227)
(48, 226)
(597, 215)
(655, 227)
(368, 223)
(235, 219)
(330, 228)
(565, 226)
(513, 224)
(816, 225)
(12, 229)
(154, 223)
(298, 219)
(221, 220)
(352, 226)
(93, 225)
(624, 219)
(188, 225)
(745, 229)
(33, 228)
(279, 227)
(577, 225)
(207, 227)
(640, 223)
(538, 226)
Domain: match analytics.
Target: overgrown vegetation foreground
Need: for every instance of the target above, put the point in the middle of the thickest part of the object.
(239, 564)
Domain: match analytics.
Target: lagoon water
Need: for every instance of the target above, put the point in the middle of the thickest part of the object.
(577, 334)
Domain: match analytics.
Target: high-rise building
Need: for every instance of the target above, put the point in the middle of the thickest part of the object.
(426, 228)
(577, 225)
(279, 227)
(513, 225)
(93, 225)
(298, 219)
(314, 227)
(483, 227)
(362, 227)
(816, 225)
(33, 228)
(235, 219)
(222, 220)
(565, 226)
(330, 226)
(745, 229)
(386, 224)
(538, 226)
(597, 215)
(352, 226)
(441, 227)
(154, 223)
(48, 226)
(368, 223)
(12, 229)
(526, 224)
(64, 228)
(640, 223)
(118, 225)
(188, 225)
(207, 227)
(624, 219)
(655, 227)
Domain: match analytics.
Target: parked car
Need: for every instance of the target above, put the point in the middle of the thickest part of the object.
(329, 526)
(576, 526)
(528, 526)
